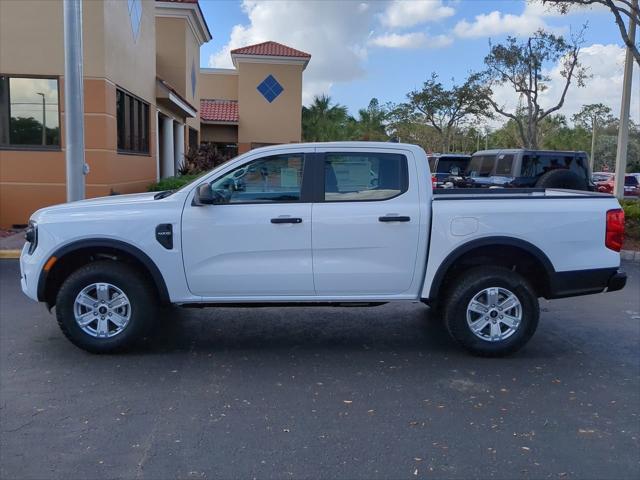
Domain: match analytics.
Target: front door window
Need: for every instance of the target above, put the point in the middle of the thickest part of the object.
(276, 178)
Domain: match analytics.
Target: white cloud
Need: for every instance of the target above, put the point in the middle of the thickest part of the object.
(410, 40)
(494, 23)
(606, 65)
(403, 13)
(334, 33)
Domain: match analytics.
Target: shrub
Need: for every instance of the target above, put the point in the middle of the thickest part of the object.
(631, 218)
(171, 183)
(206, 157)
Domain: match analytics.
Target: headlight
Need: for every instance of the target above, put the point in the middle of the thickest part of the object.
(31, 236)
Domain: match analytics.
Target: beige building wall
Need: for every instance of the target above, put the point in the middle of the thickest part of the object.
(171, 52)
(219, 133)
(31, 43)
(178, 52)
(192, 64)
(264, 122)
(219, 85)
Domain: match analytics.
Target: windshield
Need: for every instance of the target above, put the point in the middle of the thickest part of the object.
(446, 164)
(630, 181)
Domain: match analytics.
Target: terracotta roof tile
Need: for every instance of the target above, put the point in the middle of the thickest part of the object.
(212, 110)
(271, 49)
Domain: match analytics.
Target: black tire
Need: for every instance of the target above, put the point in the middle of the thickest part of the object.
(562, 178)
(141, 295)
(471, 283)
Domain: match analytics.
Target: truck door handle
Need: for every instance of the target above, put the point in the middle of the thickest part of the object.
(286, 220)
(394, 218)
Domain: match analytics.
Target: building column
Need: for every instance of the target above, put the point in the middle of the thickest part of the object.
(168, 164)
(158, 160)
(178, 144)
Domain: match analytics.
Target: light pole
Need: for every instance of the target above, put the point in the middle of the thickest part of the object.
(623, 133)
(44, 118)
(594, 127)
(74, 100)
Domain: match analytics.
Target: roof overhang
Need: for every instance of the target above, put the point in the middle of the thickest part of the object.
(217, 122)
(219, 71)
(169, 97)
(239, 58)
(190, 12)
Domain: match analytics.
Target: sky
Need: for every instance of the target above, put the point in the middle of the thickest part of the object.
(384, 49)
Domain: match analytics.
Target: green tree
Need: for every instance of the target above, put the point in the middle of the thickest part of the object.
(445, 109)
(370, 124)
(623, 11)
(521, 65)
(324, 121)
(590, 117)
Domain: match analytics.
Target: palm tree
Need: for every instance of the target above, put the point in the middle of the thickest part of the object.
(370, 124)
(322, 121)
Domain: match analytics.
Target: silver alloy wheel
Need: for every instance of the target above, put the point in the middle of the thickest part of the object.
(494, 314)
(102, 310)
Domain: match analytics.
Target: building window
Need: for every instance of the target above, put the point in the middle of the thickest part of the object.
(133, 123)
(29, 115)
(193, 139)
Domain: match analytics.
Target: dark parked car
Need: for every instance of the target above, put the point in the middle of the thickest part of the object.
(519, 168)
(445, 165)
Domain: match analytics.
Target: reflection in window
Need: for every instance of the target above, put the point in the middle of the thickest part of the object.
(29, 112)
(277, 178)
(132, 123)
(503, 166)
(480, 166)
(364, 176)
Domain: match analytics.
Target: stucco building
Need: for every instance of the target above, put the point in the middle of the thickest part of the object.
(147, 101)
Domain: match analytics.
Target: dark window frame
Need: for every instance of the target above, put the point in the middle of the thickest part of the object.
(319, 174)
(132, 124)
(41, 148)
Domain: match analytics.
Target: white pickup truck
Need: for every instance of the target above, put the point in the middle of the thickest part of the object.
(346, 223)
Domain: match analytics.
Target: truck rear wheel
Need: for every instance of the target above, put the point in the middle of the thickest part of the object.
(491, 311)
(105, 306)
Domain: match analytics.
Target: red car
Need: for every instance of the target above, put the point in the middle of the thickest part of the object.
(631, 185)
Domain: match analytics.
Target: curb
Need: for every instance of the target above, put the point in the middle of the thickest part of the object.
(10, 253)
(631, 255)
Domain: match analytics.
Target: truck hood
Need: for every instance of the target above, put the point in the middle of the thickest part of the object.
(103, 204)
(115, 199)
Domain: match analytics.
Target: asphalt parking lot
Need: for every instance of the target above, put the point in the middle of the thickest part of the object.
(322, 393)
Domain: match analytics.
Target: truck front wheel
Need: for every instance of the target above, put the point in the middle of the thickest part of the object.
(491, 311)
(105, 306)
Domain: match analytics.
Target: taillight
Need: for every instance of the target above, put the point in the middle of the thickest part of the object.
(615, 229)
(434, 181)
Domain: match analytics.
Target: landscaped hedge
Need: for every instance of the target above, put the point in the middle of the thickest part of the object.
(631, 218)
(172, 183)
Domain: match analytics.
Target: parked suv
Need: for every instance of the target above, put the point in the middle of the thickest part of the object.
(528, 168)
(444, 166)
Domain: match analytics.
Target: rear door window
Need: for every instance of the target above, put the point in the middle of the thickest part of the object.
(364, 176)
(534, 165)
(480, 166)
(504, 165)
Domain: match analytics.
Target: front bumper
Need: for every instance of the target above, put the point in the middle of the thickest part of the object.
(29, 272)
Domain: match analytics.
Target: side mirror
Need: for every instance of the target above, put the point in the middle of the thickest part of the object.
(205, 196)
